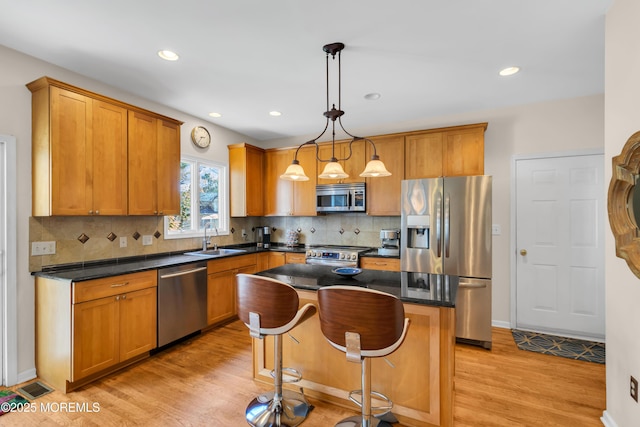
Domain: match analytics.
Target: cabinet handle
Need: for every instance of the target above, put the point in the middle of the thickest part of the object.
(155, 212)
(161, 213)
(124, 297)
(118, 298)
(97, 212)
(118, 285)
(90, 212)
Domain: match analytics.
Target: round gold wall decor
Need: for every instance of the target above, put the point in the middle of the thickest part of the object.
(623, 195)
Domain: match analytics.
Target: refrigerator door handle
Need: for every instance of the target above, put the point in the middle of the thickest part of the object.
(438, 230)
(447, 217)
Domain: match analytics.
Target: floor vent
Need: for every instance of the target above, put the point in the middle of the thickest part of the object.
(34, 390)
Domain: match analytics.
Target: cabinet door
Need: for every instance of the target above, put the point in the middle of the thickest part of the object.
(138, 322)
(463, 152)
(278, 192)
(423, 155)
(383, 193)
(71, 153)
(143, 181)
(109, 163)
(95, 336)
(304, 192)
(221, 296)
(276, 259)
(246, 169)
(168, 168)
(263, 261)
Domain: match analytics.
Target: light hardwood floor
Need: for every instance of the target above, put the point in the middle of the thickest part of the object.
(206, 381)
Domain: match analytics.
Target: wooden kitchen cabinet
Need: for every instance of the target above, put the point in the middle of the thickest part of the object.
(353, 167)
(221, 285)
(286, 198)
(246, 169)
(377, 263)
(457, 151)
(111, 322)
(295, 258)
(94, 155)
(383, 193)
(79, 152)
(154, 165)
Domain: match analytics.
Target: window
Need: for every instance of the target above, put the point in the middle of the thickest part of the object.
(203, 200)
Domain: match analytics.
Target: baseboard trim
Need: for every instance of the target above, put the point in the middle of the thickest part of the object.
(27, 375)
(500, 324)
(607, 420)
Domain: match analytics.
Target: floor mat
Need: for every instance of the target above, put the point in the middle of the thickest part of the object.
(571, 348)
(10, 400)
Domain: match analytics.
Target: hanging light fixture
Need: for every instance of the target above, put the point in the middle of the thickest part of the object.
(333, 169)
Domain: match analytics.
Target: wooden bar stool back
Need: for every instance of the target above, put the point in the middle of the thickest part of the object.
(270, 307)
(363, 323)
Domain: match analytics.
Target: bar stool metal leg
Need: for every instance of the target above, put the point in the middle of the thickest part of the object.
(279, 408)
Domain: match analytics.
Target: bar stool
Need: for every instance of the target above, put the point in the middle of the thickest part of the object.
(270, 307)
(363, 323)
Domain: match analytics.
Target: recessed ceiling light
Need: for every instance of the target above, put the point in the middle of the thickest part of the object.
(372, 96)
(216, 115)
(275, 113)
(509, 71)
(168, 55)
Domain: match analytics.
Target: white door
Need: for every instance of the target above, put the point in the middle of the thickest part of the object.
(560, 221)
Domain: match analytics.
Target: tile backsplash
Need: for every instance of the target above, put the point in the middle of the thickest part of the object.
(104, 235)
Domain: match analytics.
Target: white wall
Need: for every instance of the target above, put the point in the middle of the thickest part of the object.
(564, 125)
(622, 119)
(15, 119)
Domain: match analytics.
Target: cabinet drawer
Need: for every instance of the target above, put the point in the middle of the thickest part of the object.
(230, 263)
(371, 263)
(295, 258)
(108, 286)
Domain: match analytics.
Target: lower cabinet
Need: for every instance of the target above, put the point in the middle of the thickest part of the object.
(375, 263)
(110, 330)
(87, 329)
(221, 285)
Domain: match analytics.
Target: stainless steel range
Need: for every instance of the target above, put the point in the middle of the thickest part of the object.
(338, 256)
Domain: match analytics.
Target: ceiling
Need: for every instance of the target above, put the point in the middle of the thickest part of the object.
(244, 58)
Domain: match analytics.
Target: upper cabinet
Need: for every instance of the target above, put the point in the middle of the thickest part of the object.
(154, 165)
(383, 193)
(286, 198)
(246, 169)
(81, 154)
(455, 151)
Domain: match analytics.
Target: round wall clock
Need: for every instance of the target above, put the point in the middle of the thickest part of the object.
(201, 136)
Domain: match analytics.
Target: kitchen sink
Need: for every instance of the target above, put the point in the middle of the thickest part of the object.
(216, 252)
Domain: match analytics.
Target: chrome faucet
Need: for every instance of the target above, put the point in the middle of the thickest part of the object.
(205, 242)
(215, 244)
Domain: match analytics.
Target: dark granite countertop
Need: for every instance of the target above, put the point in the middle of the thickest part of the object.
(373, 253)
(409, 287)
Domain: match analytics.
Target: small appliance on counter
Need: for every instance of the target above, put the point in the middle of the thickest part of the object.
(390, 242)
(263, 239)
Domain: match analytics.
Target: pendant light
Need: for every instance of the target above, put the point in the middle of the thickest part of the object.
(333, 169)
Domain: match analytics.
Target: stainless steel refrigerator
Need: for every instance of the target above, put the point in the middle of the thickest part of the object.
(446, 224)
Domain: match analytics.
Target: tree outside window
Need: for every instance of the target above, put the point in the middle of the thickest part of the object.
(202, 199)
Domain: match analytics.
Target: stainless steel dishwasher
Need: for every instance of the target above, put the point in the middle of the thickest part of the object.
(182, 301)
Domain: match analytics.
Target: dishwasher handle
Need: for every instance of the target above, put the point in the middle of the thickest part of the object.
(182, 273)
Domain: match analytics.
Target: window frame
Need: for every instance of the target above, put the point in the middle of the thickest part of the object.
(223, 201)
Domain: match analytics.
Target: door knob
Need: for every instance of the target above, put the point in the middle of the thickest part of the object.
(523, 252)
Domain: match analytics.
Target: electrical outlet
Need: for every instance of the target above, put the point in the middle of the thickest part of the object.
(147, 240)
(123, 242)
(496, 230)
(633, 388)
(43, 248)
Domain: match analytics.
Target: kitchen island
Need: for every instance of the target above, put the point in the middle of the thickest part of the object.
(418, 377)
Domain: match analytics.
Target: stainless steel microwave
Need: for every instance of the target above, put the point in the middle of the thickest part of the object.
(341, 197)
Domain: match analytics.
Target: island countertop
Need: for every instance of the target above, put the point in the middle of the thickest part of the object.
(416, 288)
